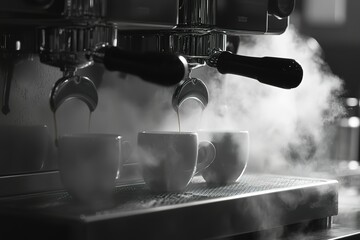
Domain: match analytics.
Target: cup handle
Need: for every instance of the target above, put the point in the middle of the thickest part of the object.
(125, 155)
(206, 155)
(126, 150)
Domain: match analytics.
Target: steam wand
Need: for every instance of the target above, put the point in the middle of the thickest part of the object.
(8, 74)
(11, 53)
(278, 72)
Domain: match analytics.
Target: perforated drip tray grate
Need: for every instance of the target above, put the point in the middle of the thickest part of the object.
(256, 202)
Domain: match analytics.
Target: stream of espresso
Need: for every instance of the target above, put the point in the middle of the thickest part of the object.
(56, 128)
(196, 126)
(178, 116)
(89, 122)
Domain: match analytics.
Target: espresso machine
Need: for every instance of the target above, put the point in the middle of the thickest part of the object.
(138, 38)
(160, 41)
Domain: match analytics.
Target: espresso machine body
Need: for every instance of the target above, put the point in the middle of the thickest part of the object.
(159, 41)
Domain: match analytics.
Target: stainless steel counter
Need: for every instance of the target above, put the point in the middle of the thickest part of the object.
(255, 203)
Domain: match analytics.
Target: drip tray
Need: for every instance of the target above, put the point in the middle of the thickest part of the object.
(255, 203)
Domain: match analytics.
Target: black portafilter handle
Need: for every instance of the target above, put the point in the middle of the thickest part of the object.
(278, 72)
(164, 69)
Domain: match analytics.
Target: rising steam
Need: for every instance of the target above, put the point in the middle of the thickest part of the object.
(283, 124)
(286, 126)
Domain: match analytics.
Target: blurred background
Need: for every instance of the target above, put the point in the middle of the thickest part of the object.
(334, 25)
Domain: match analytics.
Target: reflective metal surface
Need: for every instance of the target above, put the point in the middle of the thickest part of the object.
(49, 181)
(85, 8)
(195, 46)
(191, 88)
(199, 13)
(143, 14)
(215, 212)
(66, 47)
(70, 87)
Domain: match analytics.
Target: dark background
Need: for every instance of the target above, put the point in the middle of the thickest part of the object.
(340, 42)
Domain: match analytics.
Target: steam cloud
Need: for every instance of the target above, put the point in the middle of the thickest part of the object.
(284, 125)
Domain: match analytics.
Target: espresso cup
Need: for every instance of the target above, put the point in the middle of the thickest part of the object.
(169, 160)
(232, 153)
(23, 149)
(89, 164)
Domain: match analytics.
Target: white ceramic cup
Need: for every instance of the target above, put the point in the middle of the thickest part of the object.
(232, 154)
(169, 160)
(23, 149)
(89, 164)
